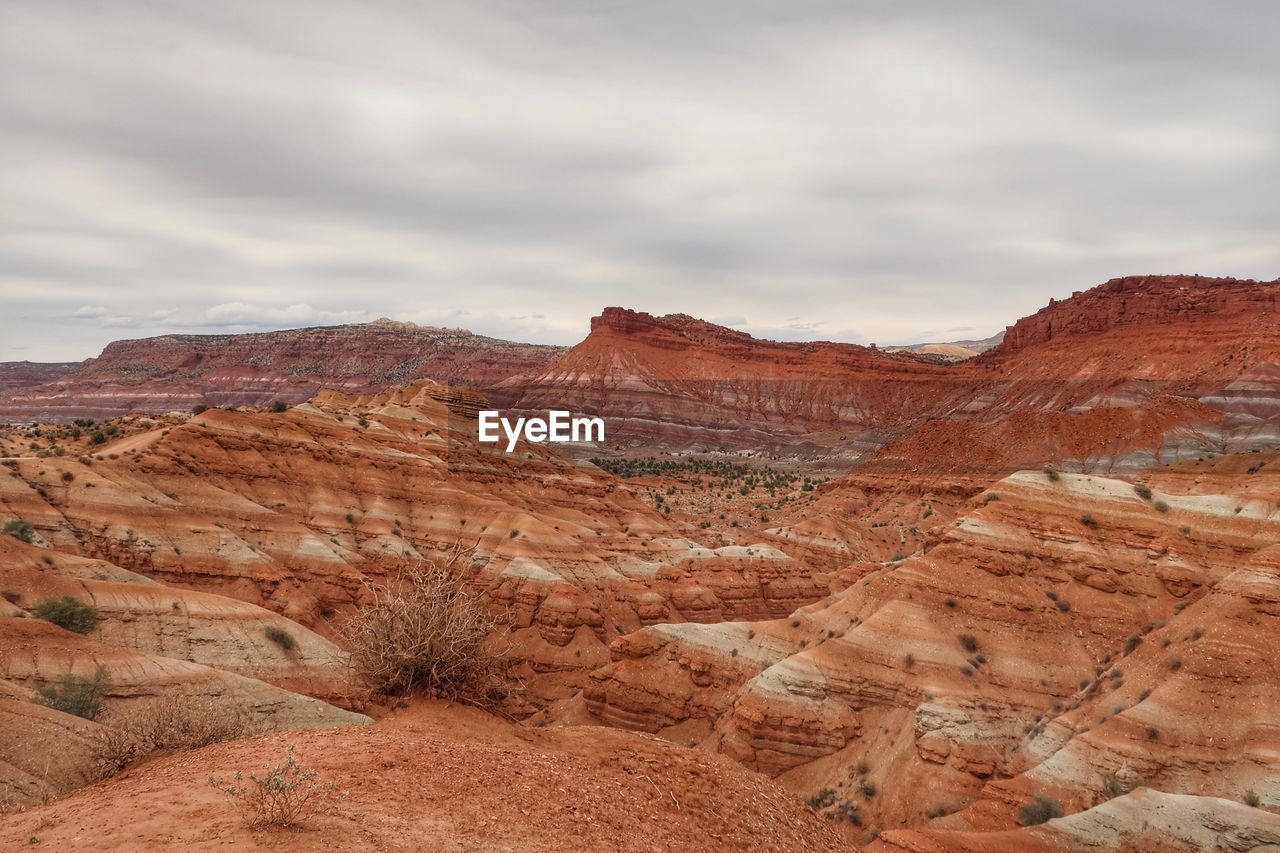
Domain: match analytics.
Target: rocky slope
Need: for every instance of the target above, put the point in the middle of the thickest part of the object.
(176, 372)
(152, 642)
(294, 511)
(1067, 634)
(20, 375)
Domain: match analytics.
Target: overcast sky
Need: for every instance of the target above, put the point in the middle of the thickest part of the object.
(866, 171)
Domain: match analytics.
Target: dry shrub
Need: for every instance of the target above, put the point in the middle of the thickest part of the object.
(279, 796)
(425, 633)
(171, 722)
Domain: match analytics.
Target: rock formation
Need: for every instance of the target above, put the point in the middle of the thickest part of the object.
(177, 372)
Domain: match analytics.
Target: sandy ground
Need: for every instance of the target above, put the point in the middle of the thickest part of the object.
(436, 777)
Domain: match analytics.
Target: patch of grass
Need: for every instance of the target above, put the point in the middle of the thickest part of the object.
(68, 612)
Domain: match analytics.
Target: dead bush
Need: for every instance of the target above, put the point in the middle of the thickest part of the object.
(425, 632)
(171, 722)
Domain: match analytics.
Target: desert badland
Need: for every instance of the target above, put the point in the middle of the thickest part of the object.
(805, 596)
(690, 425)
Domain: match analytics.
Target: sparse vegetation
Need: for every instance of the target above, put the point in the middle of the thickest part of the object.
(1053, 475)
(20, 529)
(968, 642)
(426, 632)
(75, 694)
(1161, 506)
(170, 722)
(1088, 520)
(824, 798)
(281, 796)
(68, 612)
(1142, 490)
(199, 409)
(1252, 799)
(1039, 809)
(279, 406)
(281, 638)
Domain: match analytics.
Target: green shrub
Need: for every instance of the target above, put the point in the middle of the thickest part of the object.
(68, 612)
(75, 694)
(281, 638)
(1039, 809)
(1143, 491)
(279, 406)
(282, 796)
(20, 529)
(199, 409)
(1088, 520)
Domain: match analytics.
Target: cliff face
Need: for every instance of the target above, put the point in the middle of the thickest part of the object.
(175, 372)
(679, 380)
(1156, 327)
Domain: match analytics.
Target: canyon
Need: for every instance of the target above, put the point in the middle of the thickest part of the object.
(817, 592)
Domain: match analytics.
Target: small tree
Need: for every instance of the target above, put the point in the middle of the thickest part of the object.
(68, 612)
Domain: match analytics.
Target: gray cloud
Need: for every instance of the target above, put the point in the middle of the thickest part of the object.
(867, 172)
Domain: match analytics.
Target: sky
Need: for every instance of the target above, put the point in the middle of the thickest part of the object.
(884, 172)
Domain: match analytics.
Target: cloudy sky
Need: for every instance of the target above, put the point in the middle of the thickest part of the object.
(882, 171)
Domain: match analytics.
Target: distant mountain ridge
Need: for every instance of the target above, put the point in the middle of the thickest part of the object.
(179, 371)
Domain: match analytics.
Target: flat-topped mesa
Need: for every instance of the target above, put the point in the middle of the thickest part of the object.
(1176, 304)
(683, 330)
(680, 381)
